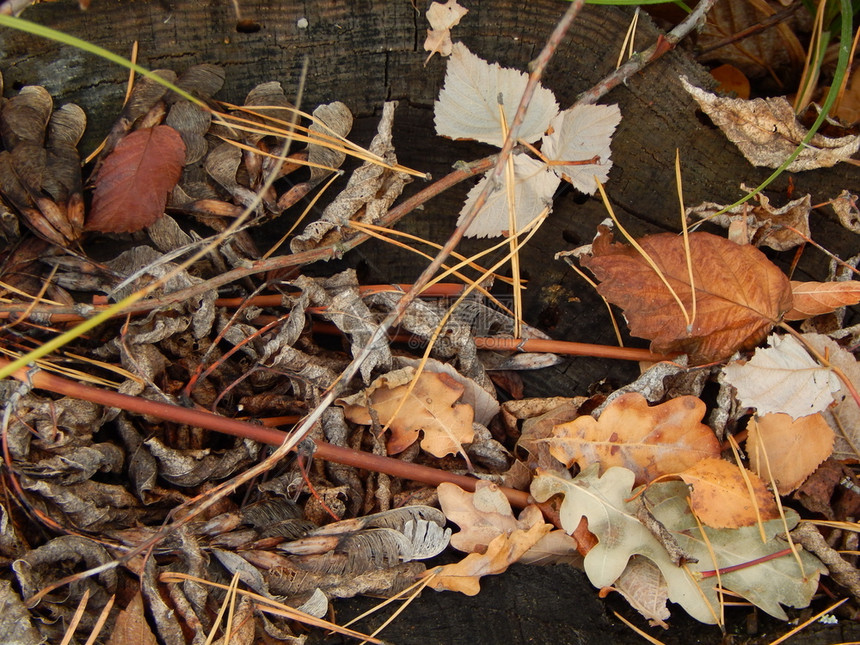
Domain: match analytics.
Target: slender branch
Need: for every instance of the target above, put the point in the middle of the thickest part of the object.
(202, 419)
(640, 60)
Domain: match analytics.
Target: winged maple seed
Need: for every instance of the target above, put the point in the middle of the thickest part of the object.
(740, 294)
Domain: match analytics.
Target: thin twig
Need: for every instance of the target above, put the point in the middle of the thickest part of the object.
(639, 61)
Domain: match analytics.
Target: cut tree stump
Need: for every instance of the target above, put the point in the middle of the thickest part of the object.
(363, 53)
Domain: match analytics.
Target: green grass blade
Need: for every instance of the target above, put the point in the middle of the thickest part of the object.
(842, 62)
(52, 34)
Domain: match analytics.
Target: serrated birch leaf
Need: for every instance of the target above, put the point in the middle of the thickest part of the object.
(767, 131)
(783, 378)
(468, 105)
(644, 587)
(579, 134)
(789, 450)
(816, 298)
(767, 584)
(844, 417)
(133, 183)
(603, 500)
(534, 186)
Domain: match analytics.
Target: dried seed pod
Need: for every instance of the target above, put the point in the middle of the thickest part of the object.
(192, 122)
(202, 80)
(336, 121)
(25, 116)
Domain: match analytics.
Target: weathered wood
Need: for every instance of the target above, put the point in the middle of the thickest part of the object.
(363, 52)
(366, 52)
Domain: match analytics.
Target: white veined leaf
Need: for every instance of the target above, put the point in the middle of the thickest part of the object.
(579, 134)
(468, 105)
(534, 185)
(783, 378)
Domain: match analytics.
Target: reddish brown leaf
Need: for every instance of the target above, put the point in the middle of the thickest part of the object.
(815, 298)
(132, 184)
(131, 626)
(740, 294)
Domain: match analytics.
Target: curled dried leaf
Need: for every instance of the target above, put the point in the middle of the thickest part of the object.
(767, 132)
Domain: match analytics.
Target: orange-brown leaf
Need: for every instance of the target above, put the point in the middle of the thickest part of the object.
(431, 406)
(793, 449)
(651, 441)
(133, 183)
(504, 550)
(720, 497)
(815, 298)
(740, 294)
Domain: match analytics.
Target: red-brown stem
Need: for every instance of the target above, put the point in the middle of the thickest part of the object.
(746, 565)
(570, 348)
(539, 345)
(199, 418)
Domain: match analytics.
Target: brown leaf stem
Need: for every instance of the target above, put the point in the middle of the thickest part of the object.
(199, 418)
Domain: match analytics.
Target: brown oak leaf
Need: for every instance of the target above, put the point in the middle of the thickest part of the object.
(133, 183)
(720, 497)
(740, 294)
(651, 441)
(486, 514)
(431, 406)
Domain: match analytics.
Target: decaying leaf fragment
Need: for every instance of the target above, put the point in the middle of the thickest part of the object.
(441, 18)
(767, 131)
(431, 407)
(789, 450)
(844, 416)
(131, 625)
(763, 224)
(369, 193)
(740, 294)
(650, 441)
(783, 378)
